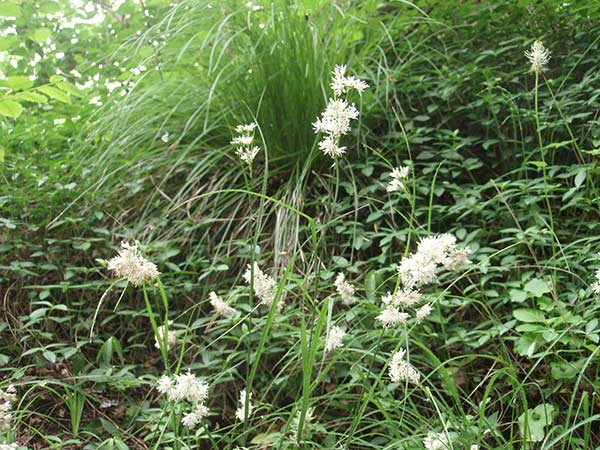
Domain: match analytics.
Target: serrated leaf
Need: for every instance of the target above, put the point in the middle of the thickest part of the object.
(9, 108)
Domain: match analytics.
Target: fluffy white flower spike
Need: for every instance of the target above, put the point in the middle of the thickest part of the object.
(130, 264)
(437, 441)
(7, 398)
(402, 370)
(244, 148)
(344, 289)
(171, 336)
(392, 316)
(538, 56)
(240, 413)
(221, 308)
(340, 83)
(397, 179)
(335, 338)
(335, 120)
(596, 284)
(265, 287)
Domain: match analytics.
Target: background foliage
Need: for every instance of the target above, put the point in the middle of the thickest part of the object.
(123, 125)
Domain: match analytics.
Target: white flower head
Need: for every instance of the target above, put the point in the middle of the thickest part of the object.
(240, 413)
(397, 179)
(538, 56)
(245, 150)
(344, 289)
(437, 441)
(171, 336)
(334, 123)
(308, 419)
(265, 287)
(7, 397)
(340, 83)
(335, 338)
(423, 312)
(392, 316)
(130, 264)
(402, 370)
(221, 308)
(192, 419)
(189, 388)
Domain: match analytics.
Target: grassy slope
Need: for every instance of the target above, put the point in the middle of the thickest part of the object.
(456, 82)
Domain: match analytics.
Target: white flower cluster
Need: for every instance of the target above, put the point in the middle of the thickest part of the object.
(538, 56)
(240, 413)
(308, 418)
(130, 264)
(398, 176)
(245, 150)
(340, 83)
(596, 284)
(335, 338)
(186, 387)
(335, 120)
(221, 308)
(265, 286)
(344, 289)
(437, 441)
(12, 446)
(401, 370)
(421, 267)
(402, 298)
(171, 337)
(7, 398)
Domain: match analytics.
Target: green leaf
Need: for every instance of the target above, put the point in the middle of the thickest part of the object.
(9, 9)
(70, 88)
(563, 370)
(32, 97)
(55, 93)
(40, 34)
(10, 108)
(537, 287)
(529, 315)
(2, 153)
(533, 422)
(18, 83)
(580, 177)
(517, 296)
(56, 78)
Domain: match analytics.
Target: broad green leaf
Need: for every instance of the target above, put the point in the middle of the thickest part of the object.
(55, 93)
(537, 287)
(18, 83)
(40, 34)
(9, 9)
(517, 296)
(48, 7)
(563, 370)
(70, 88)
(532, 423)
(529, 315)
(32, 97)
(10, 108)
(56, 78)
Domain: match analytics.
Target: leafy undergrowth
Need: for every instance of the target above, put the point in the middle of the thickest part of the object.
(501, 158)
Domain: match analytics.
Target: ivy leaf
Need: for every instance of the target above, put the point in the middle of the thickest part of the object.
(9, 108)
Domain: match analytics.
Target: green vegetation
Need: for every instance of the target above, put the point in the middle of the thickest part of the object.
(116, 122)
